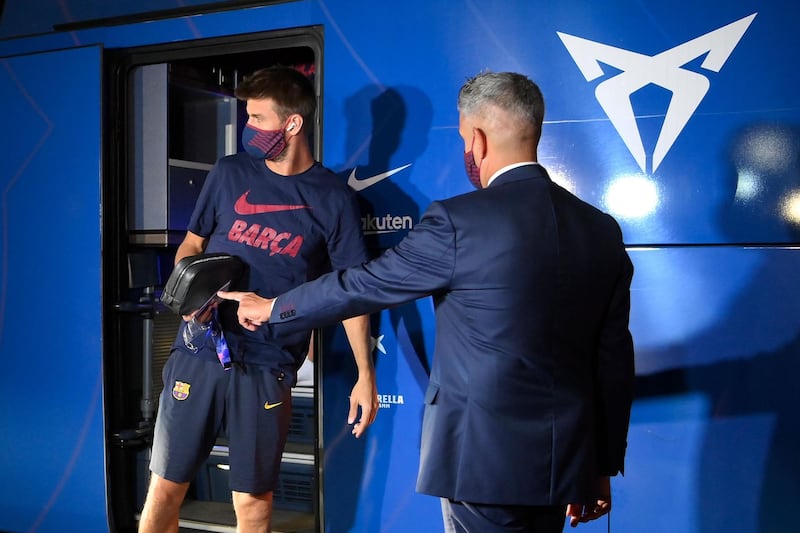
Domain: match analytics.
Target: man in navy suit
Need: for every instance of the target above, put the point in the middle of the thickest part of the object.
(527, 410)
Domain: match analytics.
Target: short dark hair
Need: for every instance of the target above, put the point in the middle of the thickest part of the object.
(290, 90)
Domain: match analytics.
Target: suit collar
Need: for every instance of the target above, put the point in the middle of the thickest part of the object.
(527, 171)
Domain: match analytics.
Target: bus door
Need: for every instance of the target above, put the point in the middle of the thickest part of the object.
(52, 453)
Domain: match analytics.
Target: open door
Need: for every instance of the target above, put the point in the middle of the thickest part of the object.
(176, 116)
(52, 458)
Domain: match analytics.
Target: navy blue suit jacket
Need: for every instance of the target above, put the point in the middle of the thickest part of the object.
(532, 376)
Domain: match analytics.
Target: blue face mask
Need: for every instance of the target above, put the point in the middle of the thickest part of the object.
(263, 144)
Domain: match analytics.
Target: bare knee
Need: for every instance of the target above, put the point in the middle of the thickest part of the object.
(166, 492)
(253, 512)
(162, 506)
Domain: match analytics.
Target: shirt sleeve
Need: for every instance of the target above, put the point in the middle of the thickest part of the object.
(346, 245)
(203, 217)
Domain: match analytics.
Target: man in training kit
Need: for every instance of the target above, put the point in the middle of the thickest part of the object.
(290, 220)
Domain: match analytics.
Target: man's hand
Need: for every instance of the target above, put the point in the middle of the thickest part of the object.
(581, 513)
(364, 395)
(253, 311)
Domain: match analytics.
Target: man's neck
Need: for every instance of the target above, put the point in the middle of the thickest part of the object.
(503, 160)
(501, 171)
(294, 163)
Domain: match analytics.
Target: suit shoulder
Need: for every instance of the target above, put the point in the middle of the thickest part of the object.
(467, 200)
(588, 210)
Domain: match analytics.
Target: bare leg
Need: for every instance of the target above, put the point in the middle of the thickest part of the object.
(305, 374)
(162, 507)
(253, 512)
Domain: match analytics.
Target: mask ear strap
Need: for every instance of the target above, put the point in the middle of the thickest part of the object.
(479, 135)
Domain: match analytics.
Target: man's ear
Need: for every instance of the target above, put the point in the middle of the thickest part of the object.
(295, 124)
(479, 146)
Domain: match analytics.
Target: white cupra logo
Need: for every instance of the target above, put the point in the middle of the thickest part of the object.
(666, 70)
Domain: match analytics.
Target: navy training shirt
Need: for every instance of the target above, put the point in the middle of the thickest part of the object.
(287, 229)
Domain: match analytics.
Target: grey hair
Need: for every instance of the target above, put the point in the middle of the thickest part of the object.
(511, 92)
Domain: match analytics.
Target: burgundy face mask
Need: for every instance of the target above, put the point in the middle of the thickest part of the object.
(473, 170)
(263, 144)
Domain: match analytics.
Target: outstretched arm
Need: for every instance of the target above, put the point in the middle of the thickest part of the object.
(254, 311)
(420, 265)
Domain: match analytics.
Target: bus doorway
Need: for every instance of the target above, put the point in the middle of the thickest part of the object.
(171, 114)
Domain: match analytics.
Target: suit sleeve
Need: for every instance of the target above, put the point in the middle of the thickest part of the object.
(418, 266)
(615, 376)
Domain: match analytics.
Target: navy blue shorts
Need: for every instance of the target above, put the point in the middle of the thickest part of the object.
(201, 400)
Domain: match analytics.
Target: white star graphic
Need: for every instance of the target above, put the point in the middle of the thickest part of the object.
(376, 343)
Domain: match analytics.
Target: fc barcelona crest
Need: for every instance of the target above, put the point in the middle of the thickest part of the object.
(181, 390)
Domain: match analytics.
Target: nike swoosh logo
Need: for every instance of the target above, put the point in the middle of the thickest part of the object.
(269, 406)
(244, 207)
(361, 184)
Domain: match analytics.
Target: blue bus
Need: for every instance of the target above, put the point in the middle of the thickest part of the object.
(681, 119)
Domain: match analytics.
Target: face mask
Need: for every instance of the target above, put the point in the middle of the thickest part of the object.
(473, 170)
(263, 144)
